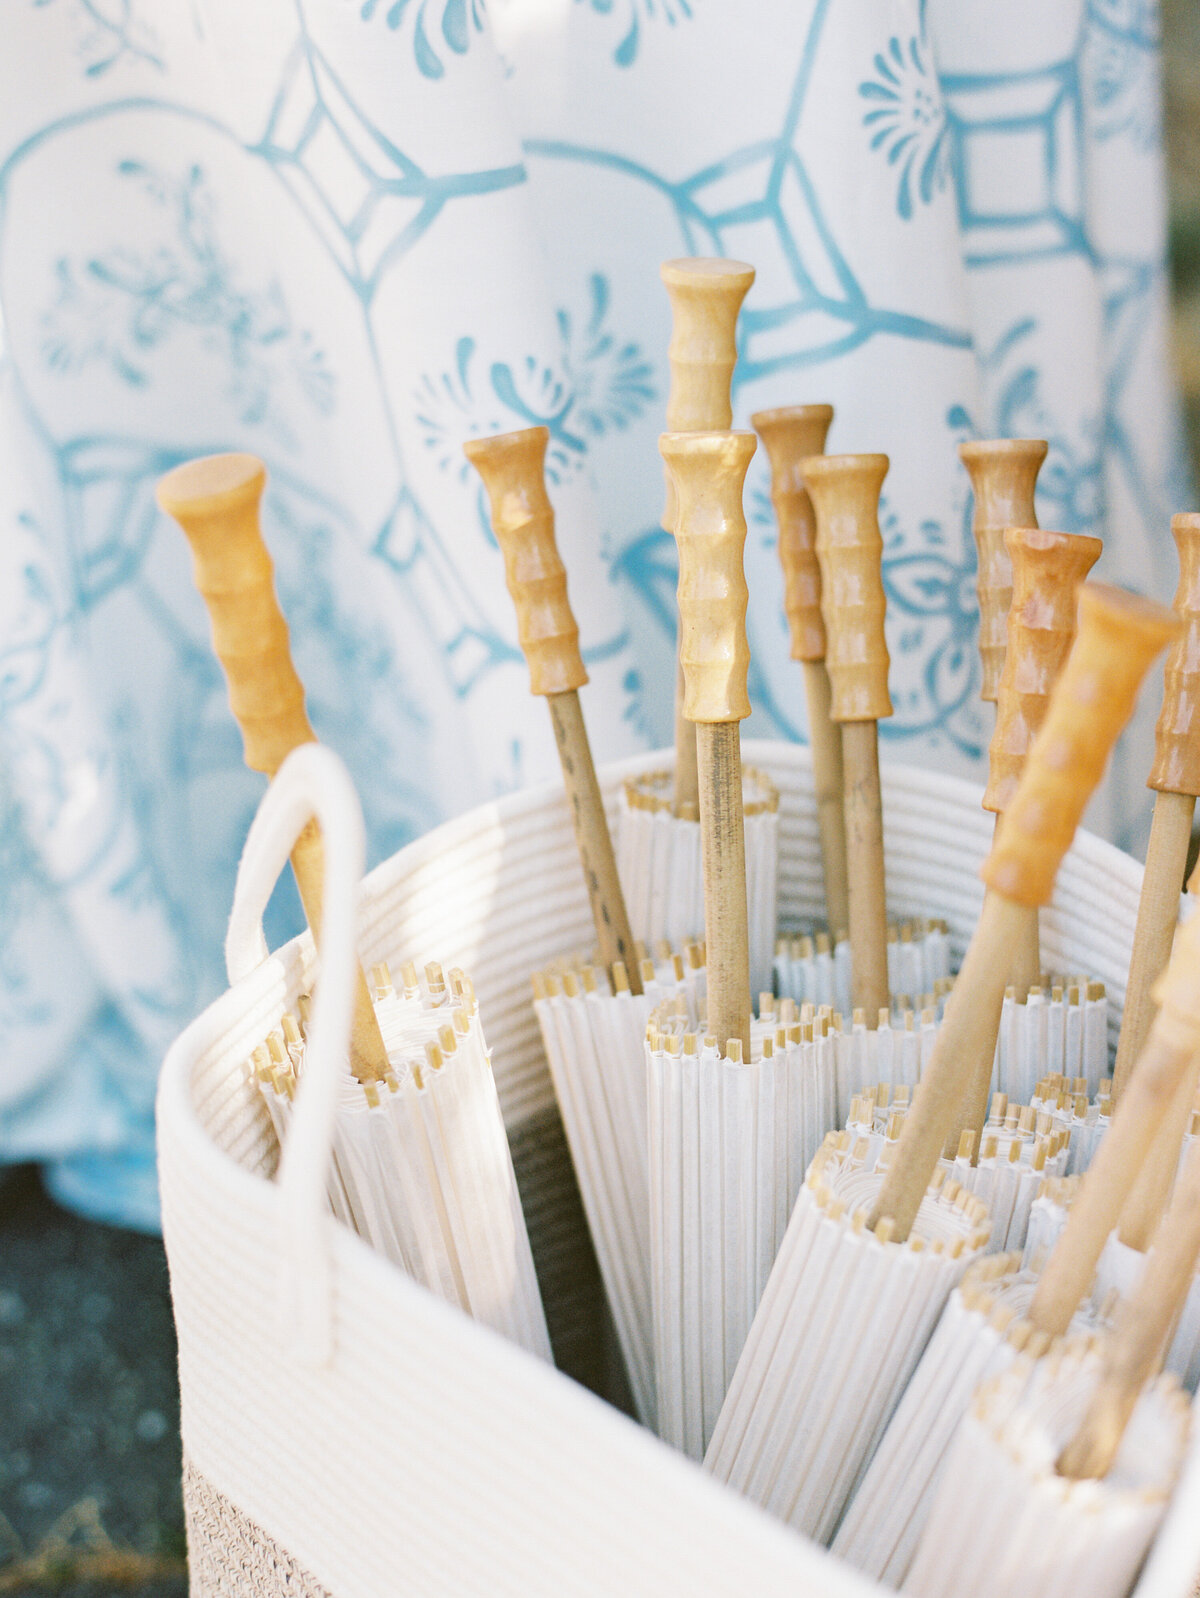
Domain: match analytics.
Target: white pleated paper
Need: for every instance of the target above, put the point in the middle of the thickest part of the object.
(975, 1339)
(841, 1326)
(1004, 1522)
(1008, 1178)
(421, 1165)
(729, 1145)
(813, 970)
(1064, 1033)
(595, 1047)
(658, 859)
(1118, 1271)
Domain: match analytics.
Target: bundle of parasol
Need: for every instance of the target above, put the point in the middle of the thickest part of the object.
(422, 1168)
(870, 1257)
(1005, 1309)
(1062, 1471)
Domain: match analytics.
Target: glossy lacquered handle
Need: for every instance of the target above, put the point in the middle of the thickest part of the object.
(1118, 636)
(215, 500)
(706, 295)
(1176, 766)
(845, 495)
(1003, 473)
(1048, 569)
(790, 435)
(708, 470)
(512, 466)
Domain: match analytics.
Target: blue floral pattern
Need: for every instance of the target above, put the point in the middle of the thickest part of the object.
(634, 13)
(452, 23)
(907, 121)
(386, 226)
(121, 305)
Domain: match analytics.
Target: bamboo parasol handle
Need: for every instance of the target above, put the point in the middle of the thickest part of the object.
(708, 470)
(1118, 636)
(1135, 1348)
(1175, 775)
(1003, 473)
(512, 466)
(216, 502)
(1047, 569)
(790, 434)
(845, 494)
(706, 296)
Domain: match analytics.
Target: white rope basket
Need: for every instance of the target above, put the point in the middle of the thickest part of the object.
(428, 1454)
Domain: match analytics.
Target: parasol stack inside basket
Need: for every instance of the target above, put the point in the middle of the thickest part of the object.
(1064, 1467)
(422, 1168)
(814, 1390)
(592, 1011)
(658, 836)
(978, 1335)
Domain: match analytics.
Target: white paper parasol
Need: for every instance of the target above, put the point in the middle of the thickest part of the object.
(421, 1163)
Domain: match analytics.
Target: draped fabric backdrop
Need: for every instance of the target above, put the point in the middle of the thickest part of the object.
(348, 234)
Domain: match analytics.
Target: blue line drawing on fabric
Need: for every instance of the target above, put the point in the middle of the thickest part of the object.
(121, 305)
(1016, 153)
(933, 615)
(907, 121)
(460, 19)
(828, 313)
(1119, 67)
(368, 200)
(112, 32)
(636, 11)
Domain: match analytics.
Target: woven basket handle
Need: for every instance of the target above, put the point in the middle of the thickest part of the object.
(312, 781)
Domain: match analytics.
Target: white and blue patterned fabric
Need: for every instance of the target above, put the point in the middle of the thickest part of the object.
(348, 234)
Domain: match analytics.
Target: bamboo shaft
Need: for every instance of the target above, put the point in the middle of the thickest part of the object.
(1110, 1178)
(966, 1043)
(1026, 970)
(1145, 1320)
(1158, 913)
(1151, 1192)
(825, 741)
(687, 790)
(592, 835)
(867, 895)
(723, 843)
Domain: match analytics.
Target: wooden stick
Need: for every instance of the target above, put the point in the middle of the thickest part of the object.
(790, 435)
(706, 295)
(1135, 1349)
(1118, 636)
(1151, 1193)
(1176, 777)
(829, 784)
(1165, 1063)
(1047, 569)
(512, 466)
(216, 502)
(708, 471)
(723, 846)
(1003, 473)
(1158, 915)
(867, 888)
(845, 495)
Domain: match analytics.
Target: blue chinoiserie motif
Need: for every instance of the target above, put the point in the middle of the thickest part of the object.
(364, 231)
